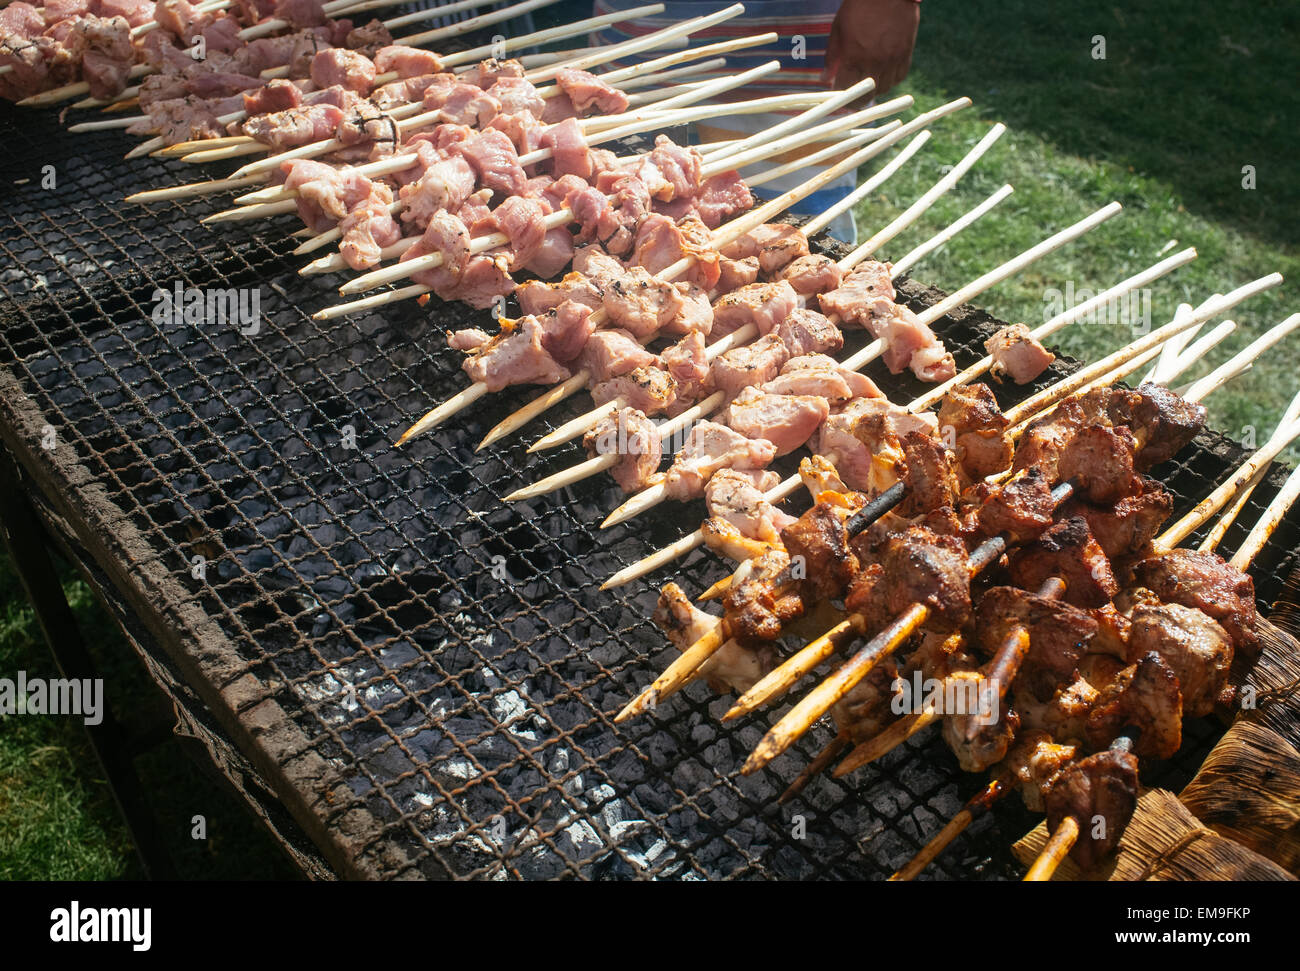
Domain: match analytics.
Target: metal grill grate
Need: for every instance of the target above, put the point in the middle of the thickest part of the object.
(446, 657)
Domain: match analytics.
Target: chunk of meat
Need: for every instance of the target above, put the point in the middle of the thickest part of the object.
(1102, 786)
(1194, 646)
(569, 152)
(444, 187)
(1099, 460)
(808, 332)
(749, 365)
(909, 343)
(736, 495)
(407, 62)
(515, 356)
(368, 228)
(819, 542)
(649, 388)
(1033, 763)
(611, 352)
(1017, 355)
(494, 160)
(661, 242)
(982, 737)
(1131, 524)
(709, 447)
(971, 421)
(812, 274)
(586, 91)
(923, 567)
(864, 440)
(1067, 550)
(867, 293)
(1059, 635)
(930, 472)
(734, 274)
(1207, 582)
(631, 436)
(347, 69)
(567, 329)
(775, 244)
(764, 305)
(787, 421)
(1144, 696)
(817, 374)
(1019, 508)
(688, 363)
(641, 303)
(730, 668)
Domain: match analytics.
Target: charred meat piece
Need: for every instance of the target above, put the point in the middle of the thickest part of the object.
(971, 421)
(1194, 646)
(1100, 793)
(1129, 526)
(923, 567)
(930, 472)
(631, 436)
(732, 667)
(757, 610)
(1033, 764)
(1146, 696)
(1209, 583)
(1017, 354)
(1163, 423)
(1021, 508)
(819, 542)
(1059, 634)
(1099, 460)
(1067, 550)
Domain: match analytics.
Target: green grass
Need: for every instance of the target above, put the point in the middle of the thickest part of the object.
(1187, 95)
(57, 817)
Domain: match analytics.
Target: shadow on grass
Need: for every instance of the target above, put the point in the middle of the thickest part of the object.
(1187, 93)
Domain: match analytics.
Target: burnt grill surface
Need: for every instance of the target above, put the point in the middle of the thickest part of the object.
(448, 656)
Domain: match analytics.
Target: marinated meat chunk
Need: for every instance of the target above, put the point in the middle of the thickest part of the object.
(930, 472)
(631, 436)
(787, 421)
(1099, 461)
(1102, 785)
(650, 389)
(775, 245)
(612, 352)
(864, 441)
(973, 424)
(756, 610)
(1195, 647)
(764, 305)
(736, 496)
(1129, 526)
(1209, 583)
(1017, 354)
(749, 365)
(819, 541)
(538, 296)
(1021, 507)
(808, 332)
(1059, 635)
(709, 447)
(641, 303)
(977, 739)
(1164, 423)
(866, 294)
(923, 567)
(515, 356)
(734, 274)
(688, 364)
(1033, 764)
(1066, 550)
(817, 374)
(813, 274)
(1146, 697)
(909, 343)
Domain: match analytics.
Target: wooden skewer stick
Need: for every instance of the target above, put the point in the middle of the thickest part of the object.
(974, 808)
(1056, 850)
(1221, 526)
(1273, 515)
(1256, 347)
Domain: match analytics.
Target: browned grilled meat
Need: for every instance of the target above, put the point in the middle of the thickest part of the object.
(819, 537)
(930, 472)
(1067, 550)
(1209, 583)
(1033, 763)
(1099, 461)
(1021, 507)
(921, 566)
(732, 667)
(1128, 527)
(1163, 423)
(1146, 696)
(1194, 646)
(756, 610)
(1059, 635)
(973, 424)
(1100, 792)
